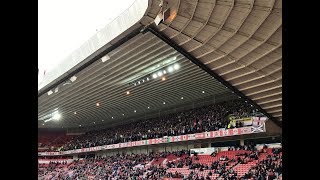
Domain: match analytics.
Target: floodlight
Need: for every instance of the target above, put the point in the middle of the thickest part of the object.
(176, 66)
(73, 78)
(56, 116)
(154, 76)
(170, 69)
(50, 92)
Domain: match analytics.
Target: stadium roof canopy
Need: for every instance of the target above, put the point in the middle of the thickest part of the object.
(226, 48)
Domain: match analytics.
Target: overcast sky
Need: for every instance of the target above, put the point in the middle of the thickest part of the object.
(63, 25)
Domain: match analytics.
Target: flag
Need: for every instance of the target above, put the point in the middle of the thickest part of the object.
(225, 132)
(208, 134)
(257, 129)
(184, 137)
(257, 121)
(144, 142)
(165, 138)
(200, 136)
(216, 134)
(245, 130)
(191, 136)
(177, 138)
(158, 140)
(170, 139)
(236, 131)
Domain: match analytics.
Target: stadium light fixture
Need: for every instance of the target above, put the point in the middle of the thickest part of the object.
(53, 116)
(170, 69)
(176, 66)
(148, 107)
(164, 102)
(147, 79)
(112, 117)
(73, 78)
(181, 97)
(122, 114)
(97, 104)
(154, 76)
(56, 116)
(105, 58)
(202, 92)
(128, 92)
(164, 72)
(135, 111)
(160, 73)
(50, 92)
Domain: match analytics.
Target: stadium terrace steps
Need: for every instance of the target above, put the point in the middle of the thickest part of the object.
(54, 139)
(158, 162)
(241, 169)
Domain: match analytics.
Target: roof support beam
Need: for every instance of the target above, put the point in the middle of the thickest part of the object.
(95, 58)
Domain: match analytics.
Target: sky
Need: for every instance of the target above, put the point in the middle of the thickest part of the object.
(64, 25)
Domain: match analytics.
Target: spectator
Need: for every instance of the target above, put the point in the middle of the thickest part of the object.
(209, 118)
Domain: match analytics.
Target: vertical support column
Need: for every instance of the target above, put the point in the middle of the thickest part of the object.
(75, 156)
(241, 142)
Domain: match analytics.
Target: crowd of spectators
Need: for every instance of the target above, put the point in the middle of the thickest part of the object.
(124, 166)
(140, 167)
(269, 168)
(209, 118)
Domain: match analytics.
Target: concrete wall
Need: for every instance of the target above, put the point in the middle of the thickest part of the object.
(272, 128)
(147, 149)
